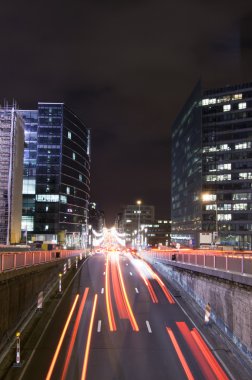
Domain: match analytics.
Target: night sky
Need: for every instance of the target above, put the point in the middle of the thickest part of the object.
(124, 67)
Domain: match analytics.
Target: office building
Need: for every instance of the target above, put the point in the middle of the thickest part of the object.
(132, 217)
(11, 168)
(56, 182)
(212, 168)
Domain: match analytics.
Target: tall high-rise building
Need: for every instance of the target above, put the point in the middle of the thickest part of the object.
(212, 167)
(56, 182)
(11, 168)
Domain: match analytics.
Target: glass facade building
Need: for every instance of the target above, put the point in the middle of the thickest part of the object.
(186, 170)
(56, 182)
(225, 180)
(11, 167)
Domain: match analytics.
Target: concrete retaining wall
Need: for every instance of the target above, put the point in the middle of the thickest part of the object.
(20, 292)
(231, 303)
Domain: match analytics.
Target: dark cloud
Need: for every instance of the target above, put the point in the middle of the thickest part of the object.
(125, 67)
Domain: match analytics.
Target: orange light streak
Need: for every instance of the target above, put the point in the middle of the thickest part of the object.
(149, 287)
(161, 284)
(49, 374)
(206, 369)
(180, 355)
(130, 312)
(75, 330)
(220, 374)
(111, 317)
(85, 363)
(121, 307)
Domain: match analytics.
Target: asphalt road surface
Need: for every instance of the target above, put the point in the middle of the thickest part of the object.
(118, 321)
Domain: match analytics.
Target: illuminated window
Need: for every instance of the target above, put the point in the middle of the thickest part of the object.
(237, 96)
(27, 223)
(74, 156)
(224, 167)
(225, 147)
(227, 107)
(240, 206)
(69, 135)
(241, 196)
(47, 208)
(245, 145)
(47, 197)
(46, 227)
(80, 177)
(224, 216)
(245, 175)
(243, 105)
(68, 190)
(206, 102)
(29, 186)
(210, 207)
(63, 199)
(221, 177)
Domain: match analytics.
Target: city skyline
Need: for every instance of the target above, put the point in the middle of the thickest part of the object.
(126, 70)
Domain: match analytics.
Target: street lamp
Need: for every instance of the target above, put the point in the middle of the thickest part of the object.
(139, 202)
(206, 197)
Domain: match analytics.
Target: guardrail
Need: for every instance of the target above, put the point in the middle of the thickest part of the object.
(17, 260)
(237, 263)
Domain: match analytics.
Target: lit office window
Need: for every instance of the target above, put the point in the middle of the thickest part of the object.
(240, 206)
(63, 199)
(27, 223)
(224, 167)
(224, 216)
(47, 197)
(245, 175)
(237, 96)
(46, 227)
(80, 177)
(74, 156)
(210, 207)
(206, 102)
(245, 145)
(241, 196)
(69, 135)
(227, 107)
(225, 147)
(68, 190)
(221, 177)
(29, 186)
(242, 106)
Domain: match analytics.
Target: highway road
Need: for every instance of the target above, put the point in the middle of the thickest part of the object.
(119, 321)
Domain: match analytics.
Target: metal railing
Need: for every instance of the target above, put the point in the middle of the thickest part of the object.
(17, 260)
(236, 263)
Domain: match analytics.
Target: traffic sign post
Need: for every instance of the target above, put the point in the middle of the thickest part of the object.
(60, 282)
(207, 313)
(18, 355)
(40, 301)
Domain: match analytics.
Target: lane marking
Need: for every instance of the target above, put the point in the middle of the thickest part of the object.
(99, 326)
(56, 354)
(137, 291)
(102, 290)
(148, 327)
(131, 273)
(87, 351)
